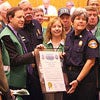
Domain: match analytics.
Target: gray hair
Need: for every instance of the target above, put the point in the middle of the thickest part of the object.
(79, 11)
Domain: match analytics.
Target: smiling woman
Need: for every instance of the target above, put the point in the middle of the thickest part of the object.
(55, 37)
(81, 51)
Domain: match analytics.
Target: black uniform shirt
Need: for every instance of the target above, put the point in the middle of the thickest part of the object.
(32, 35)
(80, 48)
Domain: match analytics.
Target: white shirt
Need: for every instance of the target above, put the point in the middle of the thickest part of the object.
(51, 10)
(72, 10)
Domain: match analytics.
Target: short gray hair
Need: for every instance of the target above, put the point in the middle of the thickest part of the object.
(79, 11)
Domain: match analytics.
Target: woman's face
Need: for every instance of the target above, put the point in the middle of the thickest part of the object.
(56, 29)
(79, 23)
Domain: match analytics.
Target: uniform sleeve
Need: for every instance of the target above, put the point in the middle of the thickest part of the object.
(92, 48)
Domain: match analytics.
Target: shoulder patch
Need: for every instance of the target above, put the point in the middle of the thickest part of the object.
(93, 44)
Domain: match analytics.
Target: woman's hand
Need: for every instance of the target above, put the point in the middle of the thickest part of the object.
(73, 87)
(61, 54)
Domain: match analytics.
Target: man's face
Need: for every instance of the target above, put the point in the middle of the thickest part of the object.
(4, 11)
(17, 21)
(93, 18)
(39, 16)
(46, 3)
(94, 3)
(28, 11)
(66, 20)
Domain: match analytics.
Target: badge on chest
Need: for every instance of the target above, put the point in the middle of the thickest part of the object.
(80, 43)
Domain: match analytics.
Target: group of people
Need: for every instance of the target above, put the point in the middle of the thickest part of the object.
(76, 34)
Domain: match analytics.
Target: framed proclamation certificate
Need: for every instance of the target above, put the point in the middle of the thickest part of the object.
(50, 71)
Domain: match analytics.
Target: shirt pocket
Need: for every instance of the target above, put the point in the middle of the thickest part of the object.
(77, 55)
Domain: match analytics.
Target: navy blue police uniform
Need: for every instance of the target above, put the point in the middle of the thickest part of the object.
(32, 36)
(77, 50)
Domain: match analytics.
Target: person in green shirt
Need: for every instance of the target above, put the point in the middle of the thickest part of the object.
(54, 40)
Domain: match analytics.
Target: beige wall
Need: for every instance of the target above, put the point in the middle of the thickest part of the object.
(56, 3)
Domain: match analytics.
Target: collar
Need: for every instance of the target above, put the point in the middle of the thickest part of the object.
(72, 34)
(15, 32)
(93, 30)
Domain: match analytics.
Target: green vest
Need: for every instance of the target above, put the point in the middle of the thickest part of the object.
(17, 75)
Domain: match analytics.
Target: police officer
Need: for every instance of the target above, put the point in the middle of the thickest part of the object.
(32, 36)
(81, 51)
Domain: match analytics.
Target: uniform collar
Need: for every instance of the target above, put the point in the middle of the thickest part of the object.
(72, 34)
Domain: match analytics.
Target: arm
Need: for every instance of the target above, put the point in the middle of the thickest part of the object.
(86, 69)
(15, 58)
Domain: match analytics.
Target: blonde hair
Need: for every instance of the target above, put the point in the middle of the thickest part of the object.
(48, 34)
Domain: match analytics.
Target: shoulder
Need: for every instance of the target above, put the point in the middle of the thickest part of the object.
(86, 34)
(91, 40)
(5, 31)
(7, 34)
(37, 26)
(70, 33)
(36, 23)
